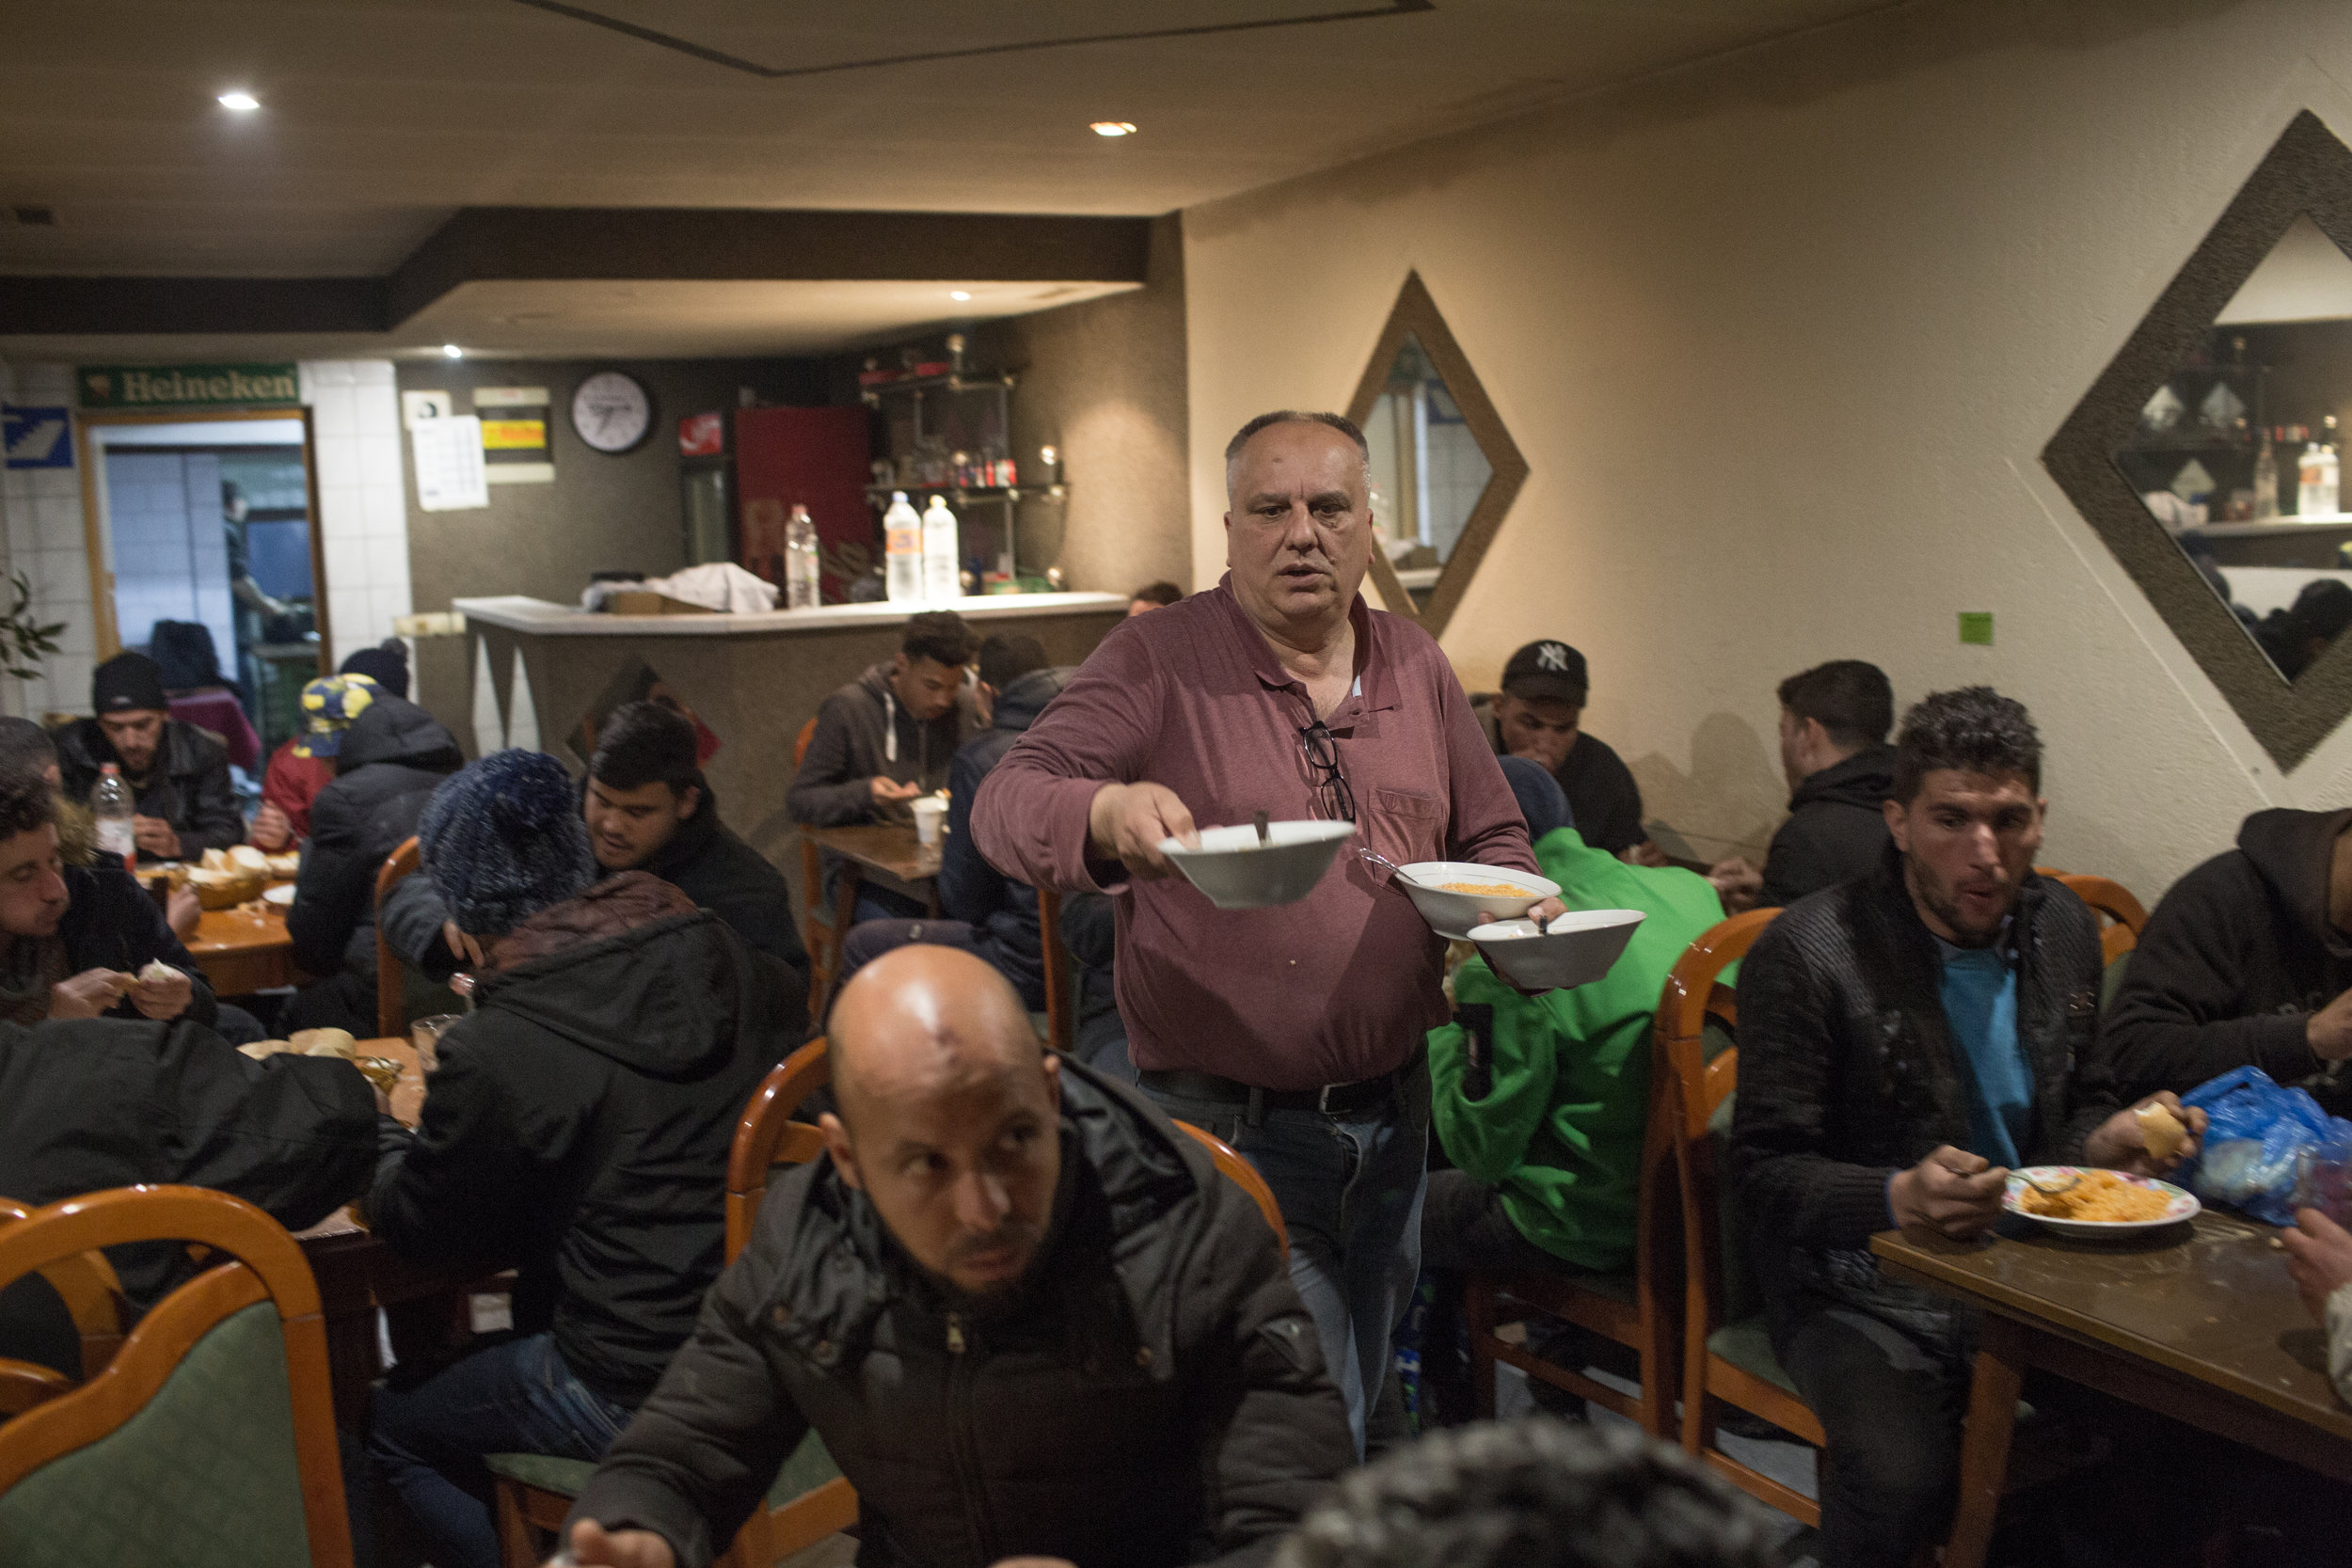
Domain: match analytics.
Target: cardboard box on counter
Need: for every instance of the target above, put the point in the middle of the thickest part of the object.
(640, 601)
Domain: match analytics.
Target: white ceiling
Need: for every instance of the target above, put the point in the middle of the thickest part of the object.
(380, 118)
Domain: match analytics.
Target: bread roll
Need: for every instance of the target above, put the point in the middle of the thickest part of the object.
(323, 1043)
(2160, 1130)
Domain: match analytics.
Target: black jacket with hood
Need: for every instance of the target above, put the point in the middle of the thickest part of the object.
(580, 1117)
(187, 783)
(391, 760)
(2233, 962)
(1154, 1396)
(1836, 827)
(1003, 912)
(1849, 1074)
(862, 733)
(111, 923)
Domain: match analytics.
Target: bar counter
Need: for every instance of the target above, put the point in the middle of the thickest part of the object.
(754, 679)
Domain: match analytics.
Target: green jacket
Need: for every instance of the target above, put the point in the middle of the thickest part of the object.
(1559, 1127)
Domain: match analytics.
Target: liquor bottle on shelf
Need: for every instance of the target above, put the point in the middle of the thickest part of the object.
(941, 571)
(800, 562)
(902, 544)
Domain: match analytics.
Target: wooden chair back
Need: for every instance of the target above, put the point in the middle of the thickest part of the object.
(101, 1418)
(1241, 1174)
(1692, 996)
(823, 941)
(767, 1136)
(392, 1012)
(2122, 917)
(1061, 1005)
(85, 1283)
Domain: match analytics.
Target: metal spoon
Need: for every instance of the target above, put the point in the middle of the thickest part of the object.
(2068, 1184)
(1394, 870)
(1264, 838)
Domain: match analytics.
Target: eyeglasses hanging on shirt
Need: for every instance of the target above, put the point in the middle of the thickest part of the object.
(1333, 797)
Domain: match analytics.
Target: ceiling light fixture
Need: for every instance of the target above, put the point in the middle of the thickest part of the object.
(244, 102)
(958, 293)
(1113, 128)
(451, 351)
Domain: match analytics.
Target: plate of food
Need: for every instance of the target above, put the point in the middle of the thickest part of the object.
(2077, 1201)
(1454, 896)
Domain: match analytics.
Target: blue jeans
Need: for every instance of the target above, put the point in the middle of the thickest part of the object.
(516, 1397)
(1350, 1192)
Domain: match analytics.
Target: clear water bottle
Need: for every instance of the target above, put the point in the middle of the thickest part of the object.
(110, 803)
(943, 568)
(800, 562)
(902, 550)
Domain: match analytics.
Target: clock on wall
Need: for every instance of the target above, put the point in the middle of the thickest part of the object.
(611, 411)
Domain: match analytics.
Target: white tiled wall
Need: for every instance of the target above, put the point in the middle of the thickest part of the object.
(362, 506)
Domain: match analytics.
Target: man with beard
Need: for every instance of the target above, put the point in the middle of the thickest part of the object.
(1027, 1317)
(1905, 1039)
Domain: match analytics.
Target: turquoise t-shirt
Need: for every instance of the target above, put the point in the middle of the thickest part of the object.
(1980, 992)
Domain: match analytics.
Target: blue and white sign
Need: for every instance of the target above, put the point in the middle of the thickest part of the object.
(37, 437)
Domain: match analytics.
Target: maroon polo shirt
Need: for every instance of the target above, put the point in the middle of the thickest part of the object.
(1337, 987)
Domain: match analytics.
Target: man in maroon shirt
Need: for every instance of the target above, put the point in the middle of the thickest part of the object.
(1294, 1033)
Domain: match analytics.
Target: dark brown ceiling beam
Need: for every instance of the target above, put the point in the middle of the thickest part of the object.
(110, 305)
(647, 244)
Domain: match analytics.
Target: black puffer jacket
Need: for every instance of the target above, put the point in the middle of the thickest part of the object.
(581, 1117)
(1158, 1398)
(187, 783)
(1848, 1074)
(1003, 912)
(1836, 827)
(2234, 961)
(392, 758)
(110, 923)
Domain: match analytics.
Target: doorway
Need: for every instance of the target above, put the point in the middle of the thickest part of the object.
(205, 554)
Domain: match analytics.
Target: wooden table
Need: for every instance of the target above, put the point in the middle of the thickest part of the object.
(244, 949)
(2199, 1322)
(888, 852)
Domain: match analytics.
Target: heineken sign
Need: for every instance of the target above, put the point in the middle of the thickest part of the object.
(186, 385)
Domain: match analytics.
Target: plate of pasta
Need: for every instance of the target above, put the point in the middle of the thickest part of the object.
(2100, 1202)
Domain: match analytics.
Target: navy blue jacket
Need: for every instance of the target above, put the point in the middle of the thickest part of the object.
(1001, 911)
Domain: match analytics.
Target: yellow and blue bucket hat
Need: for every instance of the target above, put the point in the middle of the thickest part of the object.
(330, 703)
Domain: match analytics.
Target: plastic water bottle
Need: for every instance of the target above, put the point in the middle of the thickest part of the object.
(902, 546)
(800, 562)
(943, 568)
(110, 803)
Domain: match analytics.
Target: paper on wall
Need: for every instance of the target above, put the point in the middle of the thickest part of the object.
(450, 475)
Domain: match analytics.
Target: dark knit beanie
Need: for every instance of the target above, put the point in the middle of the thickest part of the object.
(127, 682)
(504, 840)
(386, 664)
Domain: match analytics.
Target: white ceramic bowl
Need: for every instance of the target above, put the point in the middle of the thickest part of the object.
(1453, 914)
(1574, 950)
(1239, 873)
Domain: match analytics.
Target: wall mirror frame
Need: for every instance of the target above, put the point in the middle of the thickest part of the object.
(1415, 316)
(2307, 173)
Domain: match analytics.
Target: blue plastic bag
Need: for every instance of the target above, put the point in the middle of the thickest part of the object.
(2256, 1134)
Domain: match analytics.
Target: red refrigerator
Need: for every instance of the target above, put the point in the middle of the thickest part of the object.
(812, 457)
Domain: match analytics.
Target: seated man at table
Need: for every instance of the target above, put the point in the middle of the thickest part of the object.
(388, 764)
(179, 776)
(1834, 719)
(886, 737)
(986, 912)
(2247, 960)
(577, 1127)
(998, 1243)
(1904, 1041)
(304, 765)
(1539, 714)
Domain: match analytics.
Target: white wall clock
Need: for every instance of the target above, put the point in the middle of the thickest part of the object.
(611, 411)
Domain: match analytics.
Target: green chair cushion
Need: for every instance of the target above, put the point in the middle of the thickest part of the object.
(204, 1475)
(1748, 1345)
(809, 1467)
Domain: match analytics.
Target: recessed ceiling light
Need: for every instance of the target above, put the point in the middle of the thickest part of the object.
(244, 102)
(453, 351)
(1113, 128)
(958, 293)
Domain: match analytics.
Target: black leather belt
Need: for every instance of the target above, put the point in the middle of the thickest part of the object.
(1332, 1100)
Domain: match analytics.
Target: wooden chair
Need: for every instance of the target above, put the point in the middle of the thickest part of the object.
(208, 1440)
(1061, 1005)
(2120, 916)
(810, 1499)
(1638, 1310)
(1243, 1175)
(823, 941)
(392, 980)
(1726, 1353)
(85, 1283)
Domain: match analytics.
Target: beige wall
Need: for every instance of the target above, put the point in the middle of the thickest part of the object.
(1781, 338)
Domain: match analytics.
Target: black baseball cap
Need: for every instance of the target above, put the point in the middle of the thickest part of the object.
(1547, 672)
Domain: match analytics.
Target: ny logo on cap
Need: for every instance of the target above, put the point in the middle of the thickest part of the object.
(1551, 656)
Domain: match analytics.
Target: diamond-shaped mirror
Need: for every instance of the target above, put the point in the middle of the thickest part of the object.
(1443, 469)
(2206, 456)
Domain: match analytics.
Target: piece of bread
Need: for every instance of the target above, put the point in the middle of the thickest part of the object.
(259, 1048)
(323, 1043)
(157, 969)
(2160, 1130)
(247, 858)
